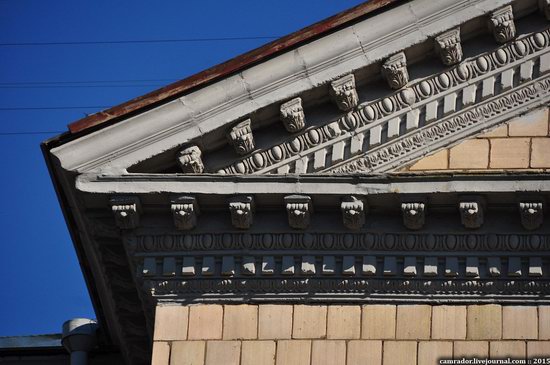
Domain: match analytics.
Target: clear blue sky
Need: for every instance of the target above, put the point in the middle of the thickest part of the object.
(42, 285)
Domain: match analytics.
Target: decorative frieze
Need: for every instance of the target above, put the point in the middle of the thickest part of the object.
(190, 160)
(241, 137)
(413, 214)
(353, 212)
(502, 24)
(343, 92)
(126, 210)
(242, 210)
(448, 47)
(531, 214)
(471, 212)
(394, 70)
(299, 209)
(185, 210)
(292, 115)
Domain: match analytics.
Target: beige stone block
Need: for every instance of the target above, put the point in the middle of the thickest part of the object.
(344, 322)
(544, 322)
(205, 322)
(540, 152)
(187, 353)
(413, 321)
(258, 353)
(328, 352)
(538, 348)
(275, 321)
(161, 353)
(469, 349)
(449, 322)
(519, 323)
(509, 153)
(240, 322)
(293, 352)
(399, 352)
(171, 323)
(502, 349)
(223, 352)
(484, 322)
(437, 161)
(429, 352)
(530, 125)
(365, 352)
(310, 321)
(500, 131)
(378, 321)
(470, 154)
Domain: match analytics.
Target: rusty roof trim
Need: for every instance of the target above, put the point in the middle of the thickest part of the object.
(152, 99)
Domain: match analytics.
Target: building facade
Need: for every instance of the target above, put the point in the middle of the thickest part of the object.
(369, 190)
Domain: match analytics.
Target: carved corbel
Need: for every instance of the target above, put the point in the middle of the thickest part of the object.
(448, 47)
(126, 210)
(185, 210)
(544, 6)
(242, 211)
(299, 209)
(471, 212)
(531, 214)
(343, 92)
(413, 214)
(241, 137)
(292, 115)
(502, 24)
(190, 160)
(353, 212)
(394, 70)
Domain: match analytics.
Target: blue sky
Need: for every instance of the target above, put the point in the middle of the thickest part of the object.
(42, 282)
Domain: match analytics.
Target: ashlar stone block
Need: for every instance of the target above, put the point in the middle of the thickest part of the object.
(171, 323)
(223, 352)
(399, 352)
(469, 349)
(378, 321)
(205, 322)
(413, 322)
(449, 322)
(429, 352)
(504, 349)
(328, 353)
(187, 353)
(240, 322)
(344, 322)
(484, 322)
(364, 353)
(310, 321)
(258, 353)
(293, 352)
(519, 322)
(275, 321)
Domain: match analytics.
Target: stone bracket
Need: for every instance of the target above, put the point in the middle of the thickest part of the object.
(240, 137)
(414, 213)
(531, 213)
(242, 211)
(292, 115)
(299, 210)
(502, 25)
(126, 210)
(185, 210)
(343, 92)
(190, 160)
(448, 47)
(394, 70)
(353, 212)
(471, 211)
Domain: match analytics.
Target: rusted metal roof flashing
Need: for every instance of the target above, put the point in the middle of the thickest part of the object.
(239, 63)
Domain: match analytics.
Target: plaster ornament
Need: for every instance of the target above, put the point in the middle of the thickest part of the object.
(353, 212)
(531, 214)
(185, 211)
(502, 24)
(126, 211)
(413, 215)
(242, 210)
(343, 92)
(471, 213)
(299, 209)
(292, 115)
(190, 160)
(394, 70)
(544, 6)
(448, 47)
(241, 137)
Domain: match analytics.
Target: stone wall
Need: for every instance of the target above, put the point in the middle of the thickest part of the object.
(346, 334)
(522, 143)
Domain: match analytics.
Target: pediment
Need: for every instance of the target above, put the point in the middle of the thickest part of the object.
(371, 112)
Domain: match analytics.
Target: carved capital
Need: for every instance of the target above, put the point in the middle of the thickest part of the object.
(299, 209)
(353, 212)
(502, 24)
(126, 210)
(242, 211)
(185, 211)
(413, 214)
(544, 6)
(292, 115)
(394, 70)
(448, 47)
(190, 160)
(471, 212)
(241, 137)
(531, 214)
(343, 92)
